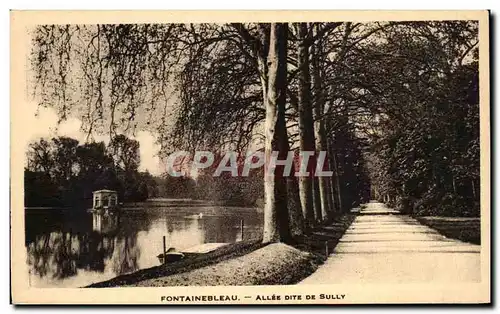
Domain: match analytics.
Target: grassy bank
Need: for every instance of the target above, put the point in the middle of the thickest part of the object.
(274, 264)
(326, 236)
(190, 262)
(460, 228)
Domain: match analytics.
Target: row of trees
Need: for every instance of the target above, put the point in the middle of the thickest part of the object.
(271, 82)
(354, 90)
(63, 172)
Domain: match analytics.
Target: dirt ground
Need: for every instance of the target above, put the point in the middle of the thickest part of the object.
(273, 264)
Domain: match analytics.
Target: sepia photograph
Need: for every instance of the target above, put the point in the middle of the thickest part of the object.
(250, 157)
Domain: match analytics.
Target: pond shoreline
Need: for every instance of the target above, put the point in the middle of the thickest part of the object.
(75, 248)
(255, 262)
(191, 262)
(156, 203)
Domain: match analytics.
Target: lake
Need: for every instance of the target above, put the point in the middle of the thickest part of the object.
(71, 248)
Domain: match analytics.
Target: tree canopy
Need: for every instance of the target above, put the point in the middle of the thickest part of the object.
(394, 104)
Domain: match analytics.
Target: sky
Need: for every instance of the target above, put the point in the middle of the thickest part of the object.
(44, 124)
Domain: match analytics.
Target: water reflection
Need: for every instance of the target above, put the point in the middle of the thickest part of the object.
(75, 249)
(105, 223)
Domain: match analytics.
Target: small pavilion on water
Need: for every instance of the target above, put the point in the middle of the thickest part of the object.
(104, 199)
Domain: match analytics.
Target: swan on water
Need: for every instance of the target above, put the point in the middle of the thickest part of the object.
(195, 216)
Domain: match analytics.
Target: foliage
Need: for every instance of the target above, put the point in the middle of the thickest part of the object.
(395, 104)
(426, 158)
(62, 172)
(240, 191)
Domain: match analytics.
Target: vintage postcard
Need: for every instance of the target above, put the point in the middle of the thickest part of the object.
(244, 157)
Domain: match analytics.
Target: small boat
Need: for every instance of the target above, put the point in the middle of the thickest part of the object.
(170, 256)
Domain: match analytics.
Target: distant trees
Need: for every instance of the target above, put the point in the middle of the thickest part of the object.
(178, 187)
(425, 147)
(125, 154)
(94, 171)
(228, 189)
(62, 172)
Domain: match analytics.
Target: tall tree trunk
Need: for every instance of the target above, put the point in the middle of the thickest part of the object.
(335, 178)
(320, 132)
(333, 182)
(331, 186)
(295, 212)
(337, 181)
(453, 184)
(294, 207)
(474, 195)
(306, 127)
(339, 158)
(316, 196)
(276, 227)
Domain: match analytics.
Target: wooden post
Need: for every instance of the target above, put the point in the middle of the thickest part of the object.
(241, 229)
(473, 189)
(326, 249)
(164, 249)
